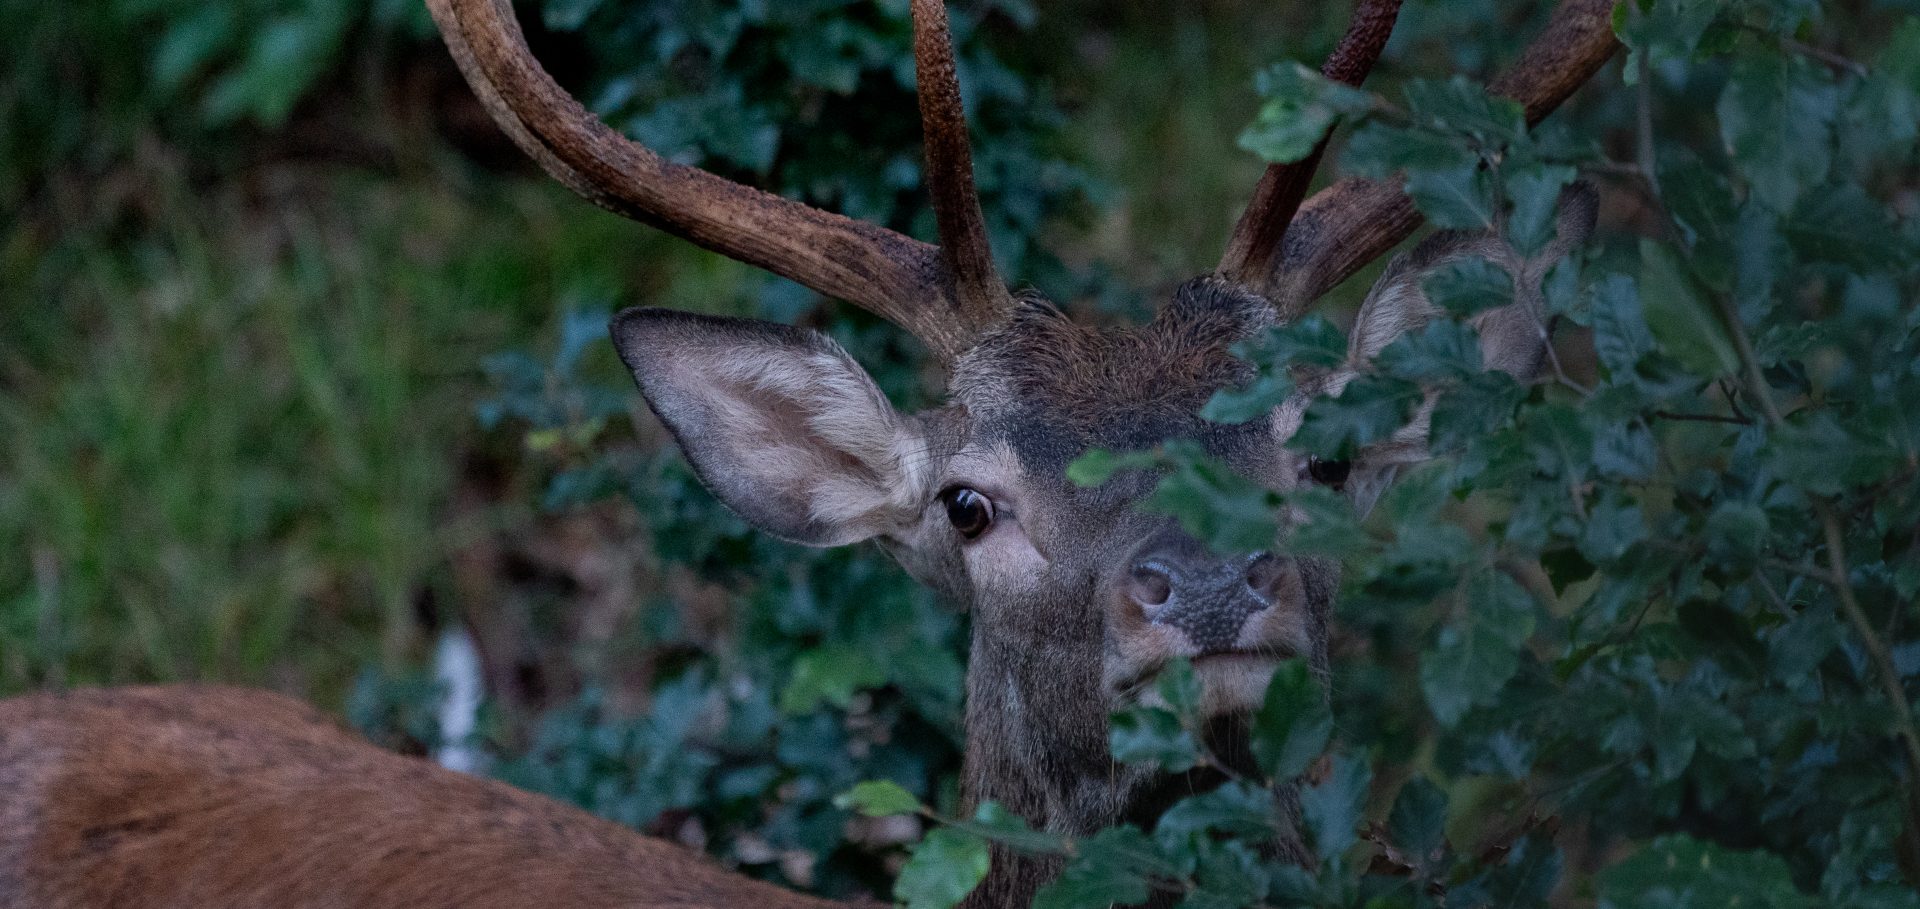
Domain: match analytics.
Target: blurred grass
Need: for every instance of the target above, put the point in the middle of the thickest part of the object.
(231, 435)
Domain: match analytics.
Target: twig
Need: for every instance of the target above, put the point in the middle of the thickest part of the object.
(1813, 572)
(1823, 55)
(1836, 576)
(1772, 593)
(1702, 417)
(1614, 168)
(1553, 357)
(1883, 667)
(1643, 120)
(1749, 361)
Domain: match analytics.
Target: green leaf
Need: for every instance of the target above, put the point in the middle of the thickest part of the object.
(1459, 105)
(1099, 465)
(1817, 453)
(1248, 402)
(1369, 409)
(1453, 198)
(1776, 116)
(1301, 105)
(1468, 286)
(1841, 224)
(1178, 688)
(1700, 201)
(1228, 875)
(1613, 526)
(1682, 322)
(1152, 736)
(1332, 809)
(191, 43)
(1667, 29)
(1236, 807)
(1293, 725)
(1325, 524)
(1112, 867)
(1534, 189)
(1620, 333)
(1442, 349)
(1472, 659)
(831, 674)
(1308, 341)
(993, 821)
(1219, 506)
(1377, 151)
(1736, 534)
(1624, 450)
(945, 867)
(1679, 871)
(877, 798)
(1472, 409)
(1418, 822)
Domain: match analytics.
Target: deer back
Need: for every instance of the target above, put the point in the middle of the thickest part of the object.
(199, 796)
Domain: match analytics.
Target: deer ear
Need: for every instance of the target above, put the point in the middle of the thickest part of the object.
(779, 422)
(1512, 338)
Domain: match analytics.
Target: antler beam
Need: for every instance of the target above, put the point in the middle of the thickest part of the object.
(941, 299)
(1350, 223)
(1263, 226)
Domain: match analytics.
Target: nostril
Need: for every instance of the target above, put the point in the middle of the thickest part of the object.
(1266, 576)
(1149, 585)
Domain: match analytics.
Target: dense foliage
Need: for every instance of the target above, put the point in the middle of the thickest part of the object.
(1641, 635)
(1645, 638)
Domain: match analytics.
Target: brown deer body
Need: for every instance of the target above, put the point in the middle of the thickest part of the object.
(1077, 597)
(196, 797)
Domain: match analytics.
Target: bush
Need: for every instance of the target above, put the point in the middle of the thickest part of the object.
(1642, 634)
(1667, 610)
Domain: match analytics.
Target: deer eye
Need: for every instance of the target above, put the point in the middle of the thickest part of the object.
(970, 512)
(1329, 473)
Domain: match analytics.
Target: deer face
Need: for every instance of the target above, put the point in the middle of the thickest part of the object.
(973, 497)
(1114, 592)
(1078, 597)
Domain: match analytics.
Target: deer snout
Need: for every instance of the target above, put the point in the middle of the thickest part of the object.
(1177, 583)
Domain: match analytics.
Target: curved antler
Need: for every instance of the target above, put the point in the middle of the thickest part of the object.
(940, 297)
(1262, 227)
(977, 288)
(1348, 224)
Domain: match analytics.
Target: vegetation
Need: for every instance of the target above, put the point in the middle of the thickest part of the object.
(1642, 635)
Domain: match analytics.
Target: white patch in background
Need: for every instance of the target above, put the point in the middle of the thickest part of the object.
(456, 669)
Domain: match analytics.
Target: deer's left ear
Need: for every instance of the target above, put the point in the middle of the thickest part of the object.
(1512, 338)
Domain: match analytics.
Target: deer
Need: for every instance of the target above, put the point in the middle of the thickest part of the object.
(222, 797)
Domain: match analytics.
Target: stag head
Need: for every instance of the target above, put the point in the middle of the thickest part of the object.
(1077, 596)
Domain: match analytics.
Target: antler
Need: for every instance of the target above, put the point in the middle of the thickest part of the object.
(1348, 224)
(981, 295)
(1262, 227)
(945, 297)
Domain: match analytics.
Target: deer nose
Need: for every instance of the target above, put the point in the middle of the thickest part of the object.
(1177, 582)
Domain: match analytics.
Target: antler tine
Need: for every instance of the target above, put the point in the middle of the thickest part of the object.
(982, 297)
(1347, 225)
(1263, 226)
(894, 276)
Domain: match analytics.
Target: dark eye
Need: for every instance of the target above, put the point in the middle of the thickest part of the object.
(1329, 473)
(970, 512)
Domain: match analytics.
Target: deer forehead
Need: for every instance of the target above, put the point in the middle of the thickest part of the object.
(1051, 389)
